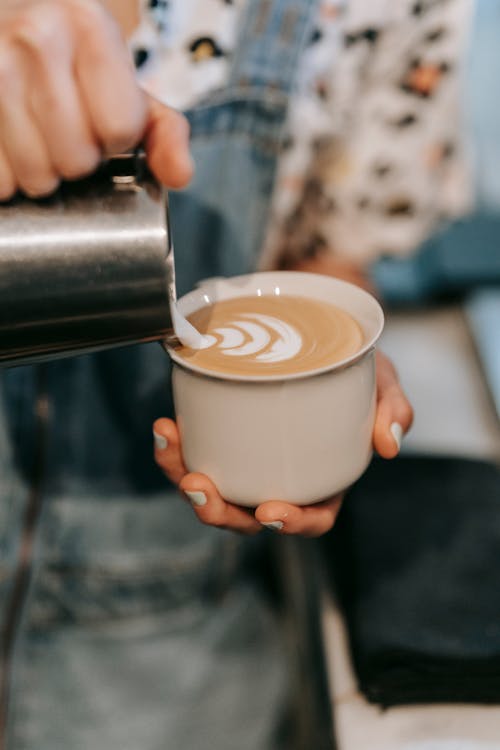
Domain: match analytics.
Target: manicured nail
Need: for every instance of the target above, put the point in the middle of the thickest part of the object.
(274, 525)
(197, 498)
(397, 433)
(160, 441)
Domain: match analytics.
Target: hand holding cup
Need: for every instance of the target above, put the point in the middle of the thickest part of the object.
(289, 443)
(393, 419)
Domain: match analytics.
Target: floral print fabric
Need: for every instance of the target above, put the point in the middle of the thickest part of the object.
(374, 155)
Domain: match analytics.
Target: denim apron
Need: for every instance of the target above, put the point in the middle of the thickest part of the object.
(126, 624)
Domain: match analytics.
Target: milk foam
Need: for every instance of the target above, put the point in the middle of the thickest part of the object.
(232, 342)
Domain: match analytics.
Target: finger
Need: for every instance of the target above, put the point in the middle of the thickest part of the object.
(309, 520)
(115, 104)
(213, 510)
(394, 412)
(8, 185)
(46, 47)
(21, 140)
(168, 453)
(167, 145)
(59, 113)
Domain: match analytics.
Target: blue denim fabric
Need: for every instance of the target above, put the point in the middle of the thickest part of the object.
(139, 629)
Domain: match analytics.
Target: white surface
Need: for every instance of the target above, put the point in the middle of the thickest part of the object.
(454, 415)
(436, 360)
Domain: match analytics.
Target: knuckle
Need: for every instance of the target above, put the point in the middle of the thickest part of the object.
(40, 28)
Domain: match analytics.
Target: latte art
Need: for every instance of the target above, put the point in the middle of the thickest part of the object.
(272, 334)
(257, 336)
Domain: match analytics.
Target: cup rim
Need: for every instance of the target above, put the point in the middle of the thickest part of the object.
(280, 377)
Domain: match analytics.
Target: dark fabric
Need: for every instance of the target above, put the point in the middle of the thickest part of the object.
(415, 558)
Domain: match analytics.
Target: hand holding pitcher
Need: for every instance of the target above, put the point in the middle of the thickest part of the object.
(68, 98)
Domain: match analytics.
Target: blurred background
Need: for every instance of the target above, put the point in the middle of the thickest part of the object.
(443, 333)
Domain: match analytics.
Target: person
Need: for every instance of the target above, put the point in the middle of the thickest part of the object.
(126, 623)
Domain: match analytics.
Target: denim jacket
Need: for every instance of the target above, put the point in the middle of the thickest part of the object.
(121, 624)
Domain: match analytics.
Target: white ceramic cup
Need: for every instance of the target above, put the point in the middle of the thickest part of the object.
(301, 437)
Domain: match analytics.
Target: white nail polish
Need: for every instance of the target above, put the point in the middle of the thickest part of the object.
(397, 433)
(197, 498)
(274, 525)
(160, 441)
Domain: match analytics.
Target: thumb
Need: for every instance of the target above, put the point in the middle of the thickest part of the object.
(166, 140)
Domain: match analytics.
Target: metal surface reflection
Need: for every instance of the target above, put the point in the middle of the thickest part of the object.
(89, 268)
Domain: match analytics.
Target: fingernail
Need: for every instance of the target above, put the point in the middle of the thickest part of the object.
(160, 441)
(197, 498)
(397, 433)
(274, 525)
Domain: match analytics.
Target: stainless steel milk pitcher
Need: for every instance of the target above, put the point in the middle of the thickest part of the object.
(88, 268)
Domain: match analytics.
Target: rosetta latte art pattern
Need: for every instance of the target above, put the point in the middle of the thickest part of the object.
(262, 337)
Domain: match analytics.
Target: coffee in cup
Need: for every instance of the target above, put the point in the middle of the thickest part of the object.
(272, 335)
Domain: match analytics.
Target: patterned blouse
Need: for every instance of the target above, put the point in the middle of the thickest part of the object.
(374, 153)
